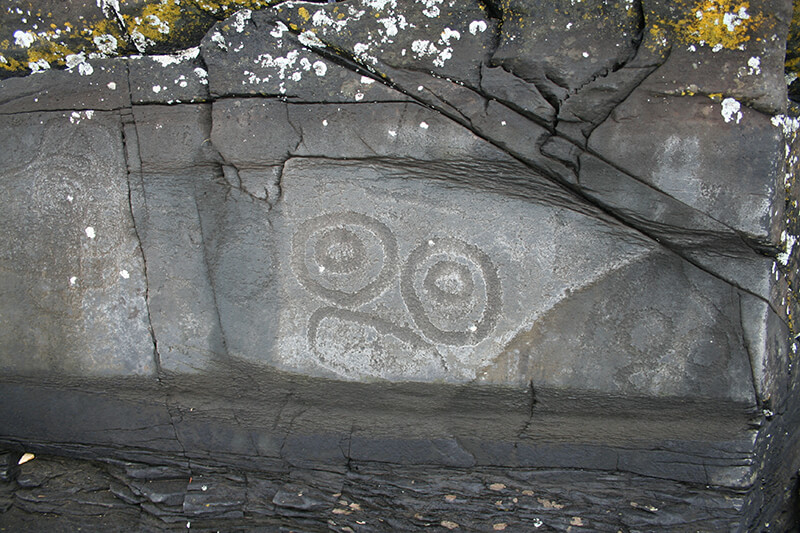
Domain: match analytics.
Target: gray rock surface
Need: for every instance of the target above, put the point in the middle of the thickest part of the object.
(73, 285)
(386, 265)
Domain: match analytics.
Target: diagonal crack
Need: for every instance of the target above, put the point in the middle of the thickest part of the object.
(549, 168)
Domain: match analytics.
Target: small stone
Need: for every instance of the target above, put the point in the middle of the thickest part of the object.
(25, 458)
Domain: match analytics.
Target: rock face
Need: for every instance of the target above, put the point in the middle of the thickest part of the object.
(326, 251)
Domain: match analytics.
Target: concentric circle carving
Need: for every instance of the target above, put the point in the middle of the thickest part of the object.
(452, 290)
(346, 258)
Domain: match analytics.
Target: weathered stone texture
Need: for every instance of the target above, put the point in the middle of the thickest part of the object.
(391, 264)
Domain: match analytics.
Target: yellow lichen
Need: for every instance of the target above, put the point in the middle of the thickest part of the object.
(11, 64)
(168, 24)
(717, 23)
(154, 21)
(36, 56)
(53, 53)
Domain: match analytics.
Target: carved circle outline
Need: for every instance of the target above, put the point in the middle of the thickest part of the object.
(329, 238)
(341, 220)
(492, 308)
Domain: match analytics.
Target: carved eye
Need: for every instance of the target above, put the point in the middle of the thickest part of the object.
(452, 291)
(346, 258)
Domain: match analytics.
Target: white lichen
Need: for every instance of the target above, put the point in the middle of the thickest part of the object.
(202, 75)
(141, 42)
(448, 34)
(732, 20)
(789, 125)
(731, 110)
(109, 7)
(423, 47)
(79, 60)
(38, 66)
(320, 68)
(281, 64)
(107, 44)
(477, 26)
(24, 38)
(279, 29)
(443, 56)
(240, 19)
(161, 25)
(788, 242)
(217, 38)
(321, 18)
(380, 5)
(178, 57)
(755, 65)
(431, 8)
(310, 39)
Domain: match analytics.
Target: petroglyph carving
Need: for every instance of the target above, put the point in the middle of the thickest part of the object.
(452, 291)
(346, 258)
(450, 288)
(346, 340)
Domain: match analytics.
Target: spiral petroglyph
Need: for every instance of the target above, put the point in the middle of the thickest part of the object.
(452, 290)
(346, 258)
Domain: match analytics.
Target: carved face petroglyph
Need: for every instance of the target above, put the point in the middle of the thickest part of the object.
(449, 287)
(412, 279)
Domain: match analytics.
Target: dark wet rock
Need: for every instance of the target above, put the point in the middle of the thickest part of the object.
(680, 156)
(242, 62)
(713, 52)
(169, 78)
(560, 48)
(383, 265)
(98, 85)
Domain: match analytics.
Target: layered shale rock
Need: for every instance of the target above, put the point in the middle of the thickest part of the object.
(382, 265)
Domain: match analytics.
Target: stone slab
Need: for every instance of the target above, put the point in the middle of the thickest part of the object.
(73, 287)
(100, 84)
(379, 290)
(169, 78)
(707, 155)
